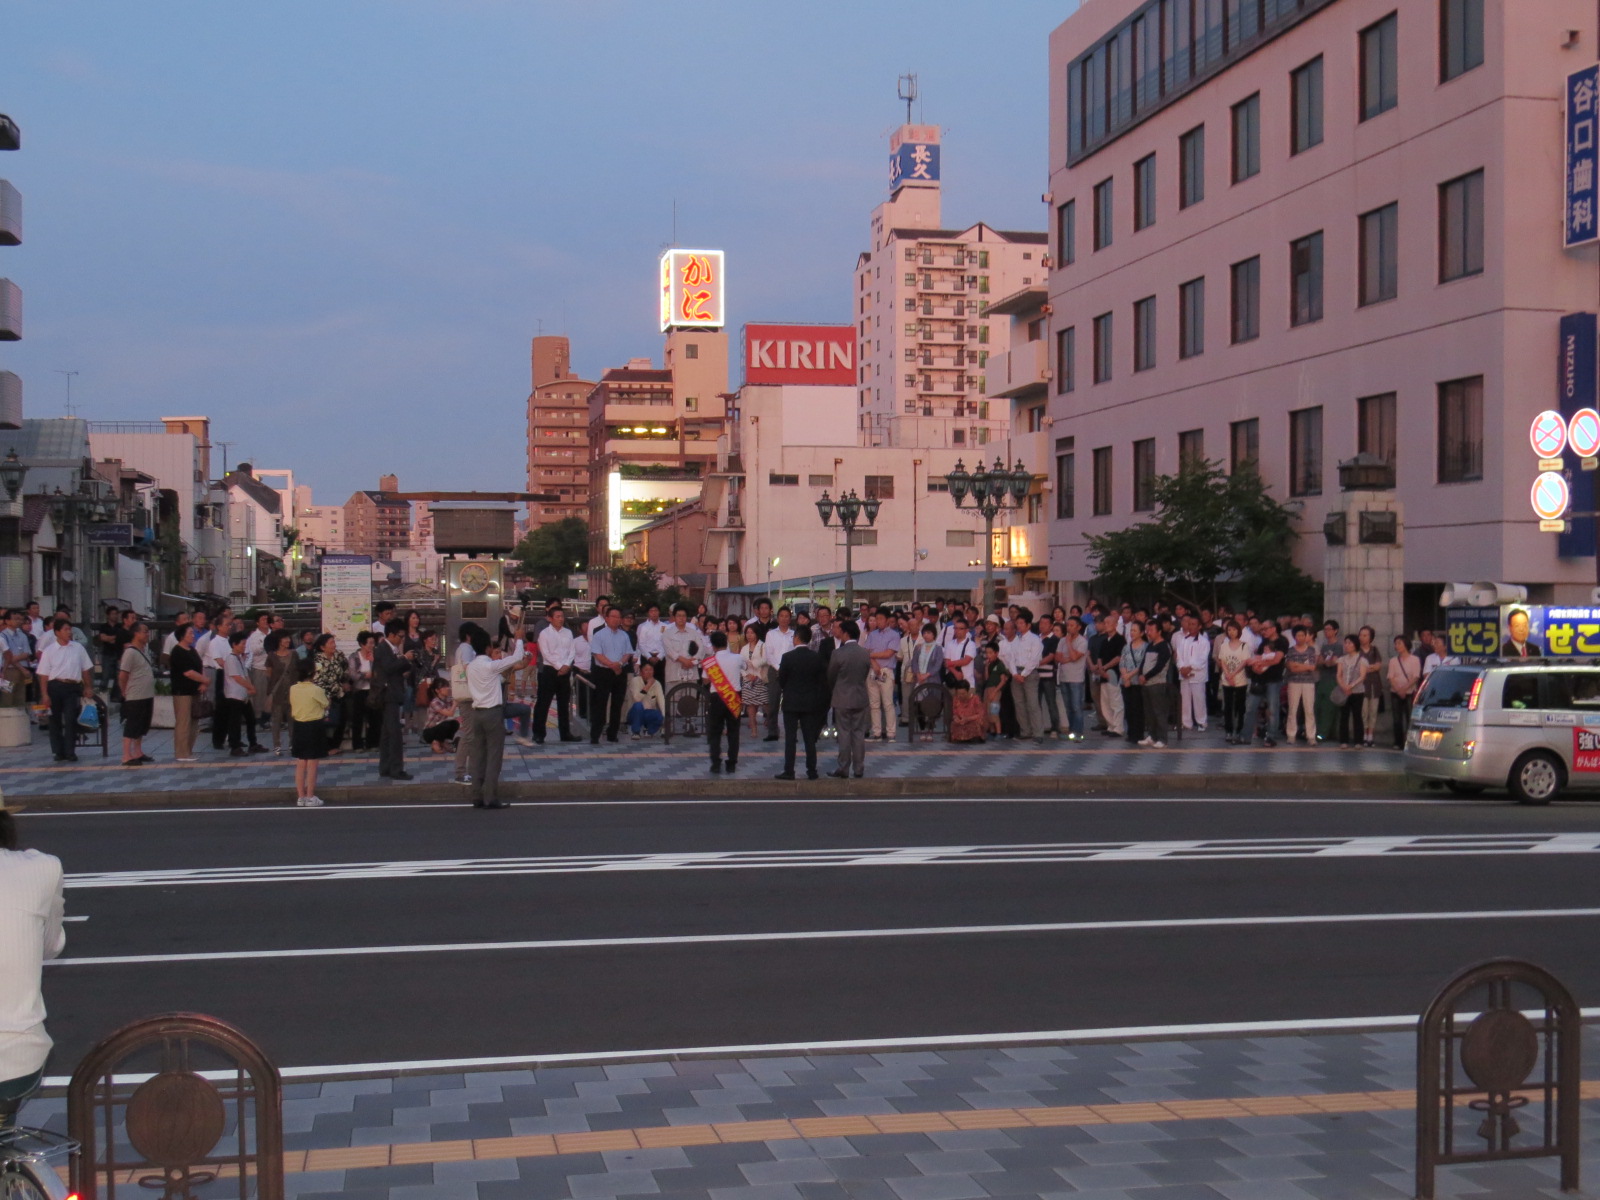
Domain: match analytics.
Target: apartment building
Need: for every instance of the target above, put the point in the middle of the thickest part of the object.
(377, 524)
(558, 432)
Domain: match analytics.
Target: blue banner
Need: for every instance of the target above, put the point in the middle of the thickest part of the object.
(1582, 157)
(1576, 388)
(914, 162)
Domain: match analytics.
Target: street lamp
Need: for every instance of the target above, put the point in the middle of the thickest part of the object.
(849, 508)
(11, 474)
(993, 490)
(772, 562)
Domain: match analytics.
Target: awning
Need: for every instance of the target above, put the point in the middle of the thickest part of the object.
(954, 582)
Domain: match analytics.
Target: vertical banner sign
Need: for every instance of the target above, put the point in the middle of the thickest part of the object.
(1576, 390)
(346, 597)
(1582, 190)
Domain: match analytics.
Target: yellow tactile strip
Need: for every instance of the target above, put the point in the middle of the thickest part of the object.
(548, 1145)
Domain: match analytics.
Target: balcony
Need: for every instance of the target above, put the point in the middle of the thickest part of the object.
(10, 311)
(1022, 373)
(10, 215)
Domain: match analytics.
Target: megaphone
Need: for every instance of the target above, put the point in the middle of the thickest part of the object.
(1454, 593)
(1492, 595)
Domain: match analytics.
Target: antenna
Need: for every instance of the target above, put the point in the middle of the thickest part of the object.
(906, 89)
(224, 446)
(69, 375)
(674, 221)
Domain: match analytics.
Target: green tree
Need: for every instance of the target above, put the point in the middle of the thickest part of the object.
(635, 587)
(551, 552)
(1213, 536)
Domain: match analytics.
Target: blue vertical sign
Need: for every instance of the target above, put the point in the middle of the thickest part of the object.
(1582, 218)
(914, 162)
(1575, 389)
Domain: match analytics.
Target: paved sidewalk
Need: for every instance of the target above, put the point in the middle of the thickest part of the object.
(1279, 1118)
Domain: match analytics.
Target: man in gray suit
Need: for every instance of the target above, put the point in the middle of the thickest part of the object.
(848, 666)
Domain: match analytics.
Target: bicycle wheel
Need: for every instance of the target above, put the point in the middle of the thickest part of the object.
(18, 1182)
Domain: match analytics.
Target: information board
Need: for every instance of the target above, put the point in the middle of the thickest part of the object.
(346, 597)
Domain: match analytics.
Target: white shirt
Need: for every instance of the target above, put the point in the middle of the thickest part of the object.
(216, 650)
(67, 662)
(1193, 652)
(36, 627)
(649, 635)
(484, 676)
(960, 648)
(168, 643)
(1026, 650)
(255, 650)
(582, 655)
(733, 667)
(557, 647)
(778, 643)
(594, 623)
(30, 932)
(1251, 638)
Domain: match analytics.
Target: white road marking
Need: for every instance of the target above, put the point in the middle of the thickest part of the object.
(1440, 845)
(835, 935)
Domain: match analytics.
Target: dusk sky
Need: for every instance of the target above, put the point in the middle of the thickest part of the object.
(333, 225)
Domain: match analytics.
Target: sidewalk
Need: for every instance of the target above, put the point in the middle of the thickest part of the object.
(1274, 1118)
(1197, 762)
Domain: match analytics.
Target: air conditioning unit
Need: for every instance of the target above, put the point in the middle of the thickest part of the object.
(1045, 262)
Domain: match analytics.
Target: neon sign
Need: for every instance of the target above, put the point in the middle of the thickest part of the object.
(691, 289)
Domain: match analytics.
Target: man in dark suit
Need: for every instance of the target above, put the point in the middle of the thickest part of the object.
(393, 670)
(803, 682)
(847, 674)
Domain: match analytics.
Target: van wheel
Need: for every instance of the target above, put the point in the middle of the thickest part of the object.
(1465, 789)
(1537, 778)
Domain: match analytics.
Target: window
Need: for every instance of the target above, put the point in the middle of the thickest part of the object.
(911, 279)
(1066, 359)
(11, 536)
(1144, 192)
(691, 351)
(1305, 103)
(1102, 348)
(1245, 299)
(1192, 167)
(1144, 475)
(1102, 481)
(1375, 426)
(1460, 37)
(1067, 233)
(1192, 318)
(1247, 138)
(863, 537)
(1380, 255)
(1461, 227)
(1305, 280)
(1144, 333)
(879, 487)
(1066, 478)
(1379, 71)
(1461, 430)
(776, 480)
(1305, 452)
(1244, 445)
(960, 537)
(1191, 448)
(822, 481)
(1033, 418)
(1102, 215)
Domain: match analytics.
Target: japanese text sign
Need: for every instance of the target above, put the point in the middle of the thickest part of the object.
(692, 289)
(914, 162)
(1586, 749)
(1472, 632)
(1582, 157)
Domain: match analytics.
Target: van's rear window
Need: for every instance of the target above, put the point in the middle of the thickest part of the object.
(1449, 687)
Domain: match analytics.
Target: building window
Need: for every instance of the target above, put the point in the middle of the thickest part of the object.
(1380, 255)
(1245, 299)
(1244, 445)
(1375, 427)
(1144, 333)
(1102, 481)
(1102, 348)
(1192, 318)
(1305, 280)
(1067, 233)
(1461, 430)
(879, 487)
(691, 350)
(777, 480)
(1247, 138)
(1380, 73)
(1144, 475)
(1066, 359)
(1305, 452)
(1191, 448)
(1102, 215)
(1192, 167)
(10, 536)
(1066, 478)
(1461, 227)
(822, 481)
(1305, 103)
(960, 537)
(863, 537)
(1460, 37)
(1144, 192)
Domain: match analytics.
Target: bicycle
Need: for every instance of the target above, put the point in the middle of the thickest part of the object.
(26, 1156)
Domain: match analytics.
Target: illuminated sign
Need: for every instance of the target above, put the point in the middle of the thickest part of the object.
(914, 162)
(691, 290)
(614, 511)
(1582, 158)
(801, 354)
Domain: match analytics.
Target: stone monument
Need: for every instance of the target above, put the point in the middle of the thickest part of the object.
(1364, 572)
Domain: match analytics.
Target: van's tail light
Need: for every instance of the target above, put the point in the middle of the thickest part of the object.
(1477, 690)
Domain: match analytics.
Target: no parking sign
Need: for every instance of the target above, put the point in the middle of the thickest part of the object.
(1583, 435)
(1550, 497)
(1548, 434)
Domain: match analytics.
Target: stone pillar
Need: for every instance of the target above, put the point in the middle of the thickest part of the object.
(1364, 567)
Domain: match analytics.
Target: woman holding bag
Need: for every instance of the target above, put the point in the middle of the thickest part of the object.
(1404, 676)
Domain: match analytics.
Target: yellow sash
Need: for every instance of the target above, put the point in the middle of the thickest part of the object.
(718, 679)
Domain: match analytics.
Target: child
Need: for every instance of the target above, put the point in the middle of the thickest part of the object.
(308, 738)
(994, 677)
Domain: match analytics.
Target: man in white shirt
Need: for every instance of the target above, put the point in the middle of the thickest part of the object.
(1026, 650)
(720, 718)
(485, 684)
(215, 652)
(648, 635)
(601, 605)
(36, 625)
(31, 908)
(461, 690)
(1191, 649)
(684, 646)
(255, 647)
(557, 654)
(66, 675)
(779, 641)
(960, 650)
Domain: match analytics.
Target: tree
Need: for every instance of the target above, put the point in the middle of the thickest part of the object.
(551, 552)
(1212, 535)
(635, 587)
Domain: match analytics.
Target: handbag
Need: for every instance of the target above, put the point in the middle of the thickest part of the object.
(202, 707)
(1340, 697)
(89, 715)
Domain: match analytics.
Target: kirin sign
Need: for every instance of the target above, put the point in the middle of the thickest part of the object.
(814, 354)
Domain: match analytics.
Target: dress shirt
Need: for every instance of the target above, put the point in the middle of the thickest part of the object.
(778, 642)
(233, 669)
(613, 644)
(883, 639)
(30, 932)
(36, 627)
(255, 649)
(649, 633)
(216, 650)
(556, 647)
(676, 646)
(595, 622)
(960, 648)
(485, 675)
(582, 655)
(1193, 652)
(16, 641)
(733, 667)
(1026, 651)
(67, 662)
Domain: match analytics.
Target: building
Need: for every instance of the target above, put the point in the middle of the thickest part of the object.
(1019, 377)
(255, 526)
(558, 433)
(676, 543)
(175, 452)
(322, 526)
(921, 300)
(377, 524)
(1310, 228)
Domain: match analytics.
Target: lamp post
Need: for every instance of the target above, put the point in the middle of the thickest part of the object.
(11, 474)
(772, 562)
(993, 490)
(849, 508)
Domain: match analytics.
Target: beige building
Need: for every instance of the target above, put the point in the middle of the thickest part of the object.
(377, 524)
(558, 433)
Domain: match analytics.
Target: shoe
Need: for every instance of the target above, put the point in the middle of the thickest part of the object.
(463, 779)
(838, 775)
(191, 758)
(594, 741)
(716, 768)
(771, 737)
(1038, 741)
(1145, 741)
(309, 802)
(634, 736)
(1199, 728)
(257, 749)
(403, 776)
(731, 767)
(1158, 745)
(278, 750)
(522, 741)
(1271, 742)
(239, 752)
(570, 737)
(133, 762)
(860, 774)
(499, 804)
(611, 737)
(811, 774)
(784, 775)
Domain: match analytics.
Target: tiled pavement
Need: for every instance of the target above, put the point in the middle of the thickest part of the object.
(1282, 1118)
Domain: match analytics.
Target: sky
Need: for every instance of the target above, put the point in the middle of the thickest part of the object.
(334, 225)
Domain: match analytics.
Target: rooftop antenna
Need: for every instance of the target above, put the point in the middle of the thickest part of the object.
(69, 375)
(906, 89)
(674, 221)
(225, 446)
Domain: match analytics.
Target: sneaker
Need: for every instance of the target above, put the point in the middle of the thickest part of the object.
(1158, 745)
(1199, 728)
(1146, 741)
(464, 779)
(191, 758)
(522, 741)
(278, 750)
(257, 749)
(309, 802)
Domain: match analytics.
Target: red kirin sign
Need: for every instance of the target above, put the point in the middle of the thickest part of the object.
(815, 354)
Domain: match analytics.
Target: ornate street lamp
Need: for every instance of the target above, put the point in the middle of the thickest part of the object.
(993, 490)
(11, 474)
(849, 508)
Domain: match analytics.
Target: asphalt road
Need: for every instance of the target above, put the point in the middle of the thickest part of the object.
(397, 935)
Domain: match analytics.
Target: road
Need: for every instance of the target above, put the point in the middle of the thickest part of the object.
(407, 934)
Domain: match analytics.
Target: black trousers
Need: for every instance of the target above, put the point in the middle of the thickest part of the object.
(66, 698)
(219, 721)
(605, 707)
(719, 721)
(231, 717)
(391, 742)
(557, 687)
(809, 726)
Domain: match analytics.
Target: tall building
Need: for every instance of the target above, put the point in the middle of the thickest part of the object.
(376, 523)
(558, 432)
(921, 300)
(1301, 229)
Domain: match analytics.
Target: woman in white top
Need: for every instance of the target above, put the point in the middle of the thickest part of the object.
(754, 693)
(1352, 668)
(1232, 653)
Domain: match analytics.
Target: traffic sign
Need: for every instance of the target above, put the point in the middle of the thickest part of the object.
(1548, 434)
(1550, 496)
(1583, 433)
